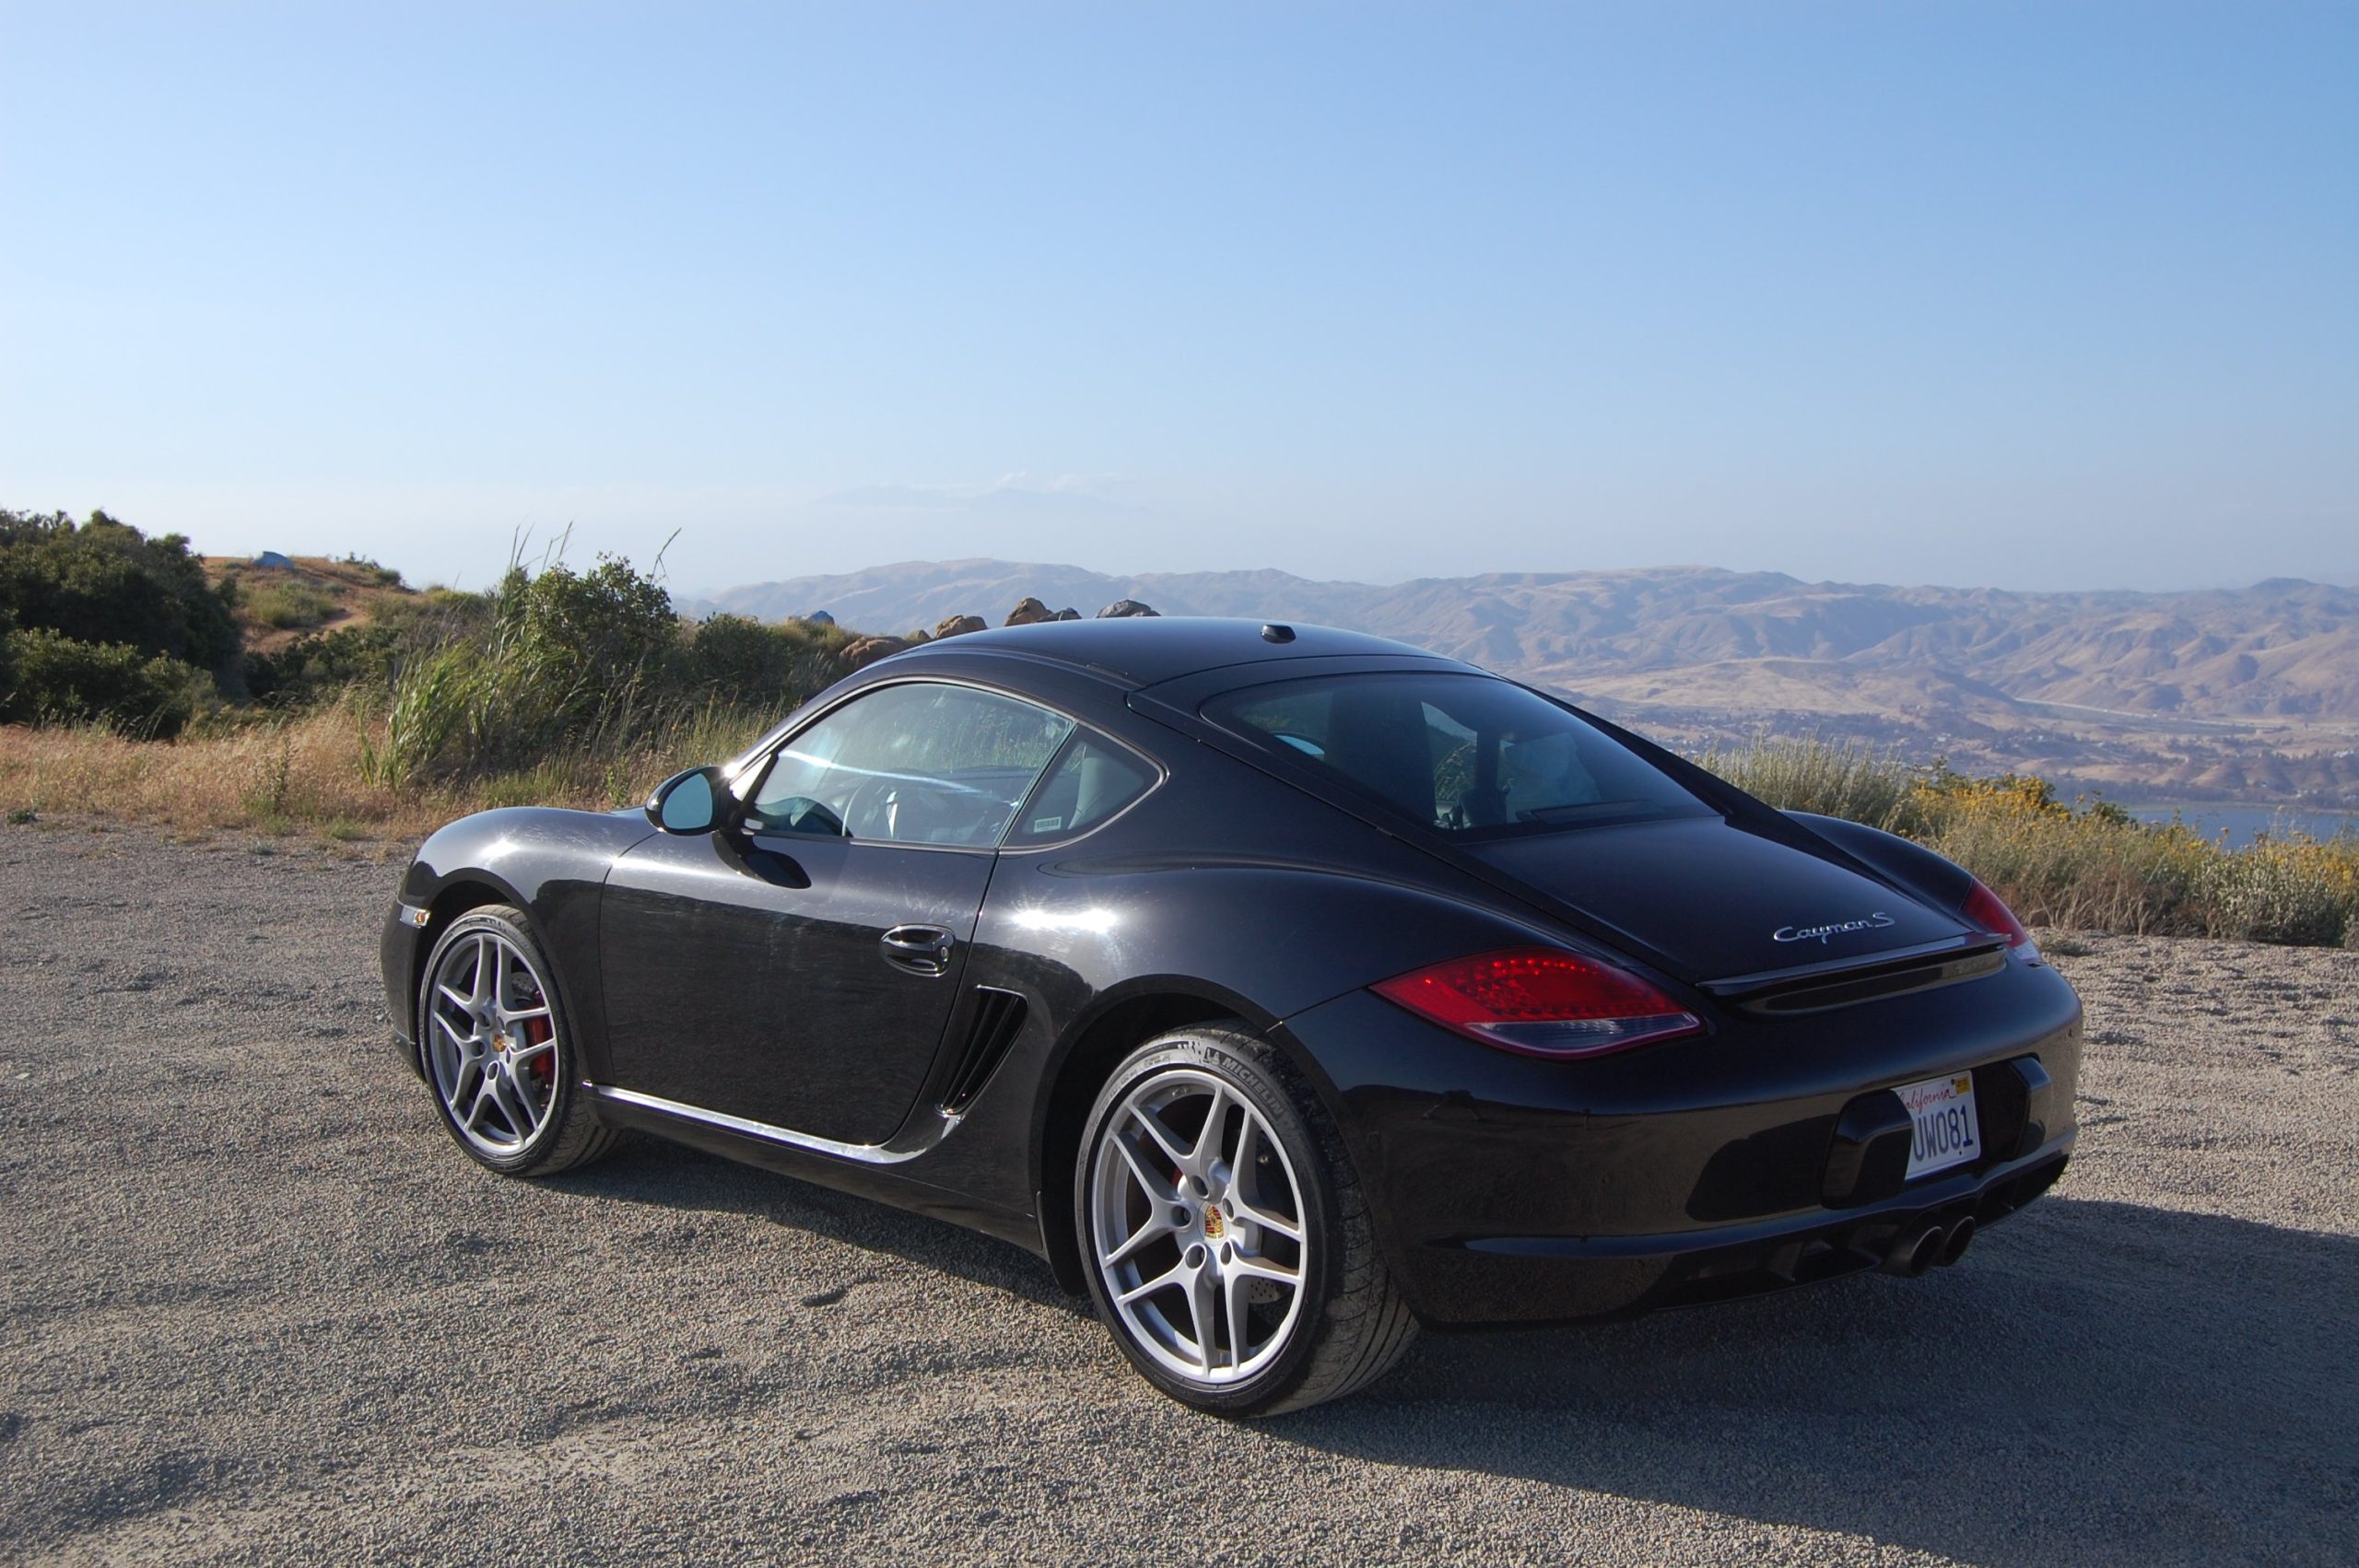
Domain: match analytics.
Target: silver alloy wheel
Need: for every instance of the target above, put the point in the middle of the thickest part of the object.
(493, 1047)
(1196, 1224)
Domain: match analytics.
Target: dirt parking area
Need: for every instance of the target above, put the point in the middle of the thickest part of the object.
(254, 1309)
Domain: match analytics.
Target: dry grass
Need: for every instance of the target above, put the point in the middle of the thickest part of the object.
(306, 775)
(2078, 865)
(560, 687)
(320, 772)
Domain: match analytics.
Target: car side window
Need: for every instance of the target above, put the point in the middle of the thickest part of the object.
(1094, 780)
(922, 763)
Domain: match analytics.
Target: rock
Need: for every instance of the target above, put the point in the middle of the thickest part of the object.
(959, 625)
(1125, 607)
(1068, 614)
(1028, 612)
(820, 619)
(869, 650)
(916, 635)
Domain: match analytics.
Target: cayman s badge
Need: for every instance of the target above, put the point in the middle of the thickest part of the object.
(1875, 921)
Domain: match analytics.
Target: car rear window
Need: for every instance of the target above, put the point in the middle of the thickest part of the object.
(1467, 754)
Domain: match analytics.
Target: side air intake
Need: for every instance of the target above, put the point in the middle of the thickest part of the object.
(998, 1016)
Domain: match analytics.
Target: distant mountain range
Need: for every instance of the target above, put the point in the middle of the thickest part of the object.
(2242, 693)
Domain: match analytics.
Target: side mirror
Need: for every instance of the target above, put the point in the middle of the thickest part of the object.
(688, 802)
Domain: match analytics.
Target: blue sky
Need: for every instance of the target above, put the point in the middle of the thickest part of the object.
(2030, 295)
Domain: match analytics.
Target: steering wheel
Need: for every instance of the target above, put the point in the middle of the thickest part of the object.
(801, 813)
(871, 810)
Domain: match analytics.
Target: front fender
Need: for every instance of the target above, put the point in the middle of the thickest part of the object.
(551, 864)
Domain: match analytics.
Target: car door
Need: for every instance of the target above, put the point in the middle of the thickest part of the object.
(797, 967)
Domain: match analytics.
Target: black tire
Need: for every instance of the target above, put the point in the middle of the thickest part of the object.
(1351, 1326)
(570, 1133)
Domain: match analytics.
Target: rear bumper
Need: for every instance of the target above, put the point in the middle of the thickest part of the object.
(1545, 1279)
(1508, 1189)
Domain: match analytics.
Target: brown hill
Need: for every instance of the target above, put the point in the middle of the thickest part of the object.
(2244, 691)
(310, 593)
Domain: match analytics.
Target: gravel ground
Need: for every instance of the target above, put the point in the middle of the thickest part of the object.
(254, 1309)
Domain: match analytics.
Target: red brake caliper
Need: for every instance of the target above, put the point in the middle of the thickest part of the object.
(543, 1066)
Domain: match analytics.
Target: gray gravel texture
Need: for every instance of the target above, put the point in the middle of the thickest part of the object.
(253, 1307)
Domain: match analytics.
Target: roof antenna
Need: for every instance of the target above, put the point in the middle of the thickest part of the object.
(1277, 631)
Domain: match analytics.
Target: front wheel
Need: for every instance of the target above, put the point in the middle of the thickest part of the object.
(497, 1052)
(1229, 1245)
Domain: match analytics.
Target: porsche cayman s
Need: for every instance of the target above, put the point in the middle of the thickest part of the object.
(1283, 988)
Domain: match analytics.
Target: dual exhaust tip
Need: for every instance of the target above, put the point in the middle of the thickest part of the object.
(1915, 1251)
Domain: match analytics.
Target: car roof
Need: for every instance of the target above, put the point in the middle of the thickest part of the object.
(1145, 650)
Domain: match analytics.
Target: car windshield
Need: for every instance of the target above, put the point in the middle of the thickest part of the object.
(1468, 755)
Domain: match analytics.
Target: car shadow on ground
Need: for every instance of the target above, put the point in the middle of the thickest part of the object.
(2094, 1380)
(648, 1171)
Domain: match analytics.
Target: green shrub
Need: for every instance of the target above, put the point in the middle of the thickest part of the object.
(318, 666)
(733, 659)
(286, 605)
(103, 581)
(54, 679)
(2261, 894)
(554, 669)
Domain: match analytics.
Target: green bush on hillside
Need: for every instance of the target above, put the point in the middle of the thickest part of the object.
(563, 661)
(733, 659)
(49, 678)
(324, 665)
(102, 581)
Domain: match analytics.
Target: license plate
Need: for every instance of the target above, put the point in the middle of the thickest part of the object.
(1946, 1134)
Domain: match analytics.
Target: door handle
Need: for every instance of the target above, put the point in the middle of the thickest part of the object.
(920, 950)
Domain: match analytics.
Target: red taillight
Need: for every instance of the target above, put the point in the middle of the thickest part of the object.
(1542, 1001)
(1985, 912)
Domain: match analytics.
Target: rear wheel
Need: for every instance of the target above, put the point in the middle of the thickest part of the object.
(1227, 1243)
(497, 1053)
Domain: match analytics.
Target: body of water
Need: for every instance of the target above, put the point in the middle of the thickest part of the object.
(2240, 821)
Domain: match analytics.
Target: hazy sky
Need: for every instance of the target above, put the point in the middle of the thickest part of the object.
(2032, 296)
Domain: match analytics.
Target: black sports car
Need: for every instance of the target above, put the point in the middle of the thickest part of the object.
(1283, 988)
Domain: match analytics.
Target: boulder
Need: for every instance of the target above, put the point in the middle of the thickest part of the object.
(959, 625)
(869, 650)
(1125, 607)
(916, 635)
(1028, 612)
(820, 619)
(1068, 614)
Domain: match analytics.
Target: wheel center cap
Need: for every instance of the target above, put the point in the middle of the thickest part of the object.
(1214, 1224)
